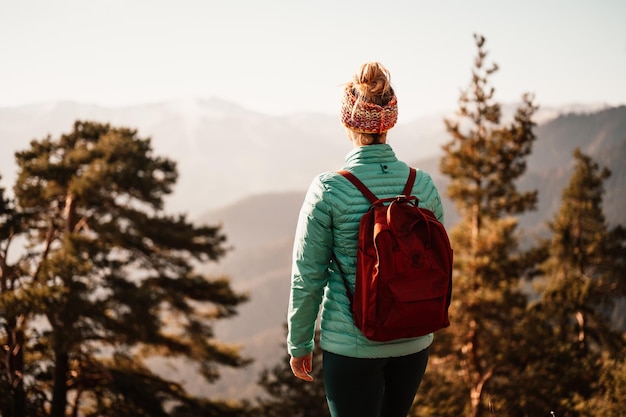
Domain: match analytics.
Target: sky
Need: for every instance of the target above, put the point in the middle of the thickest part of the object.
(287, 56)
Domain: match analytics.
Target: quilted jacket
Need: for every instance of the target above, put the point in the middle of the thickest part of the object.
(328, 223)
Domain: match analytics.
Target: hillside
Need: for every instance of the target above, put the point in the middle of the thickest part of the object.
(223, 152)
(602, 135)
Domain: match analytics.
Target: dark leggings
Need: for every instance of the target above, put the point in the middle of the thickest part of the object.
(385, 387)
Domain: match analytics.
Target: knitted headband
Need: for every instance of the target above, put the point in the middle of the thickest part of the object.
(366, 117)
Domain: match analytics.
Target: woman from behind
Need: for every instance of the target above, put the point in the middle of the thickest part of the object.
(362, 377)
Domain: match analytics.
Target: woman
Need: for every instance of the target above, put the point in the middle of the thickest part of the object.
(361, 377)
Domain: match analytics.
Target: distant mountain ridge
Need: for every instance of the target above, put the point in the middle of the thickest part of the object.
(225, 152)
(601, 135)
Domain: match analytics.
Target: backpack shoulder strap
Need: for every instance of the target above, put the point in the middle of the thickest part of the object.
(358, 184)
(409, 182)
(408, 187)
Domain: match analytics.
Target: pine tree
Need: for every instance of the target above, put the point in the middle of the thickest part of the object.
(12, 335)
(483, 159)
(107, 280)
(578, 353)
(288, 396)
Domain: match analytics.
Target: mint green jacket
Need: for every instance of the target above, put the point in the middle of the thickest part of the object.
(329, 223)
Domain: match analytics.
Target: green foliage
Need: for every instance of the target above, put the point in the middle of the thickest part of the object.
(483, 159)
(609, 399)
(13, 398)
(106, 282)
(505, 355)
(579, 352)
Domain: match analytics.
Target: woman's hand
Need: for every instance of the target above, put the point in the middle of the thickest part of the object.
(301, 367)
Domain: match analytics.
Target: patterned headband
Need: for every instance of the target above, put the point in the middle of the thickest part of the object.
(366, 117)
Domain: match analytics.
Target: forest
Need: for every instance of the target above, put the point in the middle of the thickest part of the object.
(97, 281)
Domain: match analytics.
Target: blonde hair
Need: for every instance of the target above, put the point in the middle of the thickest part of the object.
(369, 106)
(372, 84)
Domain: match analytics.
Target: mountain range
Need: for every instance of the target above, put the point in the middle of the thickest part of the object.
(249, 172)
(226, 152)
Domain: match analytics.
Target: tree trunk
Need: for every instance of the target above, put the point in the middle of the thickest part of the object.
(61, 368)
(478, 376)
(580, 320)
(476, 393)
(59, 391)
(475, 228)
(14, 362)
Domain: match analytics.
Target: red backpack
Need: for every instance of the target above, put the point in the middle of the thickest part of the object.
(404, 268)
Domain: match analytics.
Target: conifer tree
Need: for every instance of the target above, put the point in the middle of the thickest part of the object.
(107, 280)
(483, 160)
(12, 335)
(577, 354)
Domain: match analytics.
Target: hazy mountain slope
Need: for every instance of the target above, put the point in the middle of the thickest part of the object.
(260, 230)
(592, 132)
(224, 152)
(602, 135)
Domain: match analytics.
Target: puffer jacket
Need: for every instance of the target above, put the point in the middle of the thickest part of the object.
(329, 223)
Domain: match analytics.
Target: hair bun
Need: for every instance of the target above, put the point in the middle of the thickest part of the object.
(369, 103)
(372, 83)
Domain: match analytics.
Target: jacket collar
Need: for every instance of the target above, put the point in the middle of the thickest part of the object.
(370, 154)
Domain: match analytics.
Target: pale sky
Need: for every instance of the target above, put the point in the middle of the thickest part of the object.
(284, 56)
